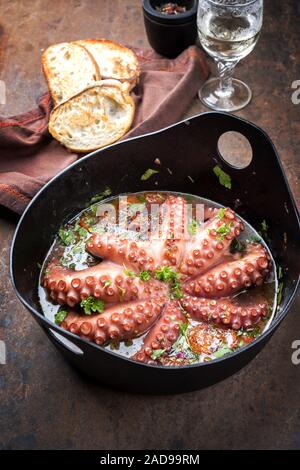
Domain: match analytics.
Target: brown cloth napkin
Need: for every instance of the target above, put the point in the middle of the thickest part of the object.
(29, 156)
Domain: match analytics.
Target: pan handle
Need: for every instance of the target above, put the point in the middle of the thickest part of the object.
(260, 142)
(73, 344)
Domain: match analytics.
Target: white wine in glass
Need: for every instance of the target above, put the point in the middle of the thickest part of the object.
(228, 31)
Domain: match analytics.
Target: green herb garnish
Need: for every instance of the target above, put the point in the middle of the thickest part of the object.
(60, 316)
(157, 353)
(98, 197)
(222, 352)
(279, 293)
(91, 304)
(145, 275)
(221, 213)
(223, 230)
(129, 273)
(148, 173)
(107, 283)
(167, 274)
(176, 291)
(254, 332)
(82, 232)
(183, 328)
(192, 227)
(264, 229)
(279, 272)
(224, 178)
(264, 226)
(67, 236)
(141, 198)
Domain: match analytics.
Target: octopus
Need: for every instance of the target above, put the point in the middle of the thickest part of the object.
(153, 287)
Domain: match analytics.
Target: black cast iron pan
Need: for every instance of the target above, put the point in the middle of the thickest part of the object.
(189, 150)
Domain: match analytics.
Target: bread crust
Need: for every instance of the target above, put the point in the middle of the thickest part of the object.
(47, 72)
(115, 46)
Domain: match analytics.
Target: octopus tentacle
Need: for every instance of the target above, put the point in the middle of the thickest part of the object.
(105, 281)
(210, 244)
(134, 254)
(165, 246)
(210, 212)
(163, 334)
(119, 322)
(172, 231)
(230, 277)
(225, 312)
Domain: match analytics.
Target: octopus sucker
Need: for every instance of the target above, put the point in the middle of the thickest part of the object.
(112, 324)
(205, 243)
(225, 311)
(71, 287)
(236, 274)
(163, 335)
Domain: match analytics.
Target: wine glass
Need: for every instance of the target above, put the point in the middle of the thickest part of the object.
(228, 31)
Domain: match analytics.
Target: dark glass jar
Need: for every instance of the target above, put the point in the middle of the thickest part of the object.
(169, 34)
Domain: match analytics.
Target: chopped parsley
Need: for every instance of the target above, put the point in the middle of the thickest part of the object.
(67, 236)
(82, 232)
(279, 272)
(91, 304)
(279, 293)
(157, 353)
(141, 198)
(176, 291)
(223, 230)
(192, 227)
(183, 328)
(222, 351)
(221, 213)
(60, 316)
(264, 229)
(224, 178)
(148, 173)
(107, 283)
(264, 226)
(98, 197)
(167, 274)
(256, 331)
(129, 273)
(145, 275)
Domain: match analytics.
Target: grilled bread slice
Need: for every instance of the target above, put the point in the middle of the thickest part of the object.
(68, 68)
(94, 118)
(114, 60)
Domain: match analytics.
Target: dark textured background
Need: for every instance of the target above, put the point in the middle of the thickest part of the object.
(43, 403)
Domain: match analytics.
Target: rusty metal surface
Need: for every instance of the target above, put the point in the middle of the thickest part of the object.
(44, 404)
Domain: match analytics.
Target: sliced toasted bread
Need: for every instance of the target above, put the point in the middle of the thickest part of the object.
(68, 68)
(94, 118)
(114, 60)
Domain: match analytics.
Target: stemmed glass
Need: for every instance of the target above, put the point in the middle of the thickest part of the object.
(228, 31)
